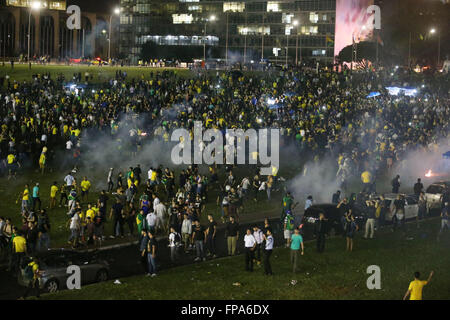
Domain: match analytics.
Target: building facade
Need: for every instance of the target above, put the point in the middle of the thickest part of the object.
(49, 34)
(234, 31)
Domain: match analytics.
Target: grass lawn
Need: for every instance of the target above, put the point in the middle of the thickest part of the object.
(335, 274)
(21, 72)
(10, 189)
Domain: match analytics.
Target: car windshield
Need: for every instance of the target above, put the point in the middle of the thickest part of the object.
(435, 189)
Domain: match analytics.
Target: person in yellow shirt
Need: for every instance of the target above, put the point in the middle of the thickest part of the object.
(366, 178)
(12, 163)
(25, 198)
(34, 282)
(90, 212)
(53, 191)
(415, 287)
(19, 249)
(42, 159)
(85, 186)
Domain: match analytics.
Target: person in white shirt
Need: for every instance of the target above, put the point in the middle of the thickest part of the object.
(245, 185)
(69, 179)
(69, 145)
(186, 231)
(309, 202)
(155, 202)
(110, 181)
(173, 244)
(151, 221)
(161, 215)
(250, 245)
(259, 237)
(74, 228)
(268, 252)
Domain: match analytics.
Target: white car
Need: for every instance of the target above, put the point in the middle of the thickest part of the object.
(411, 206)
(435, 194)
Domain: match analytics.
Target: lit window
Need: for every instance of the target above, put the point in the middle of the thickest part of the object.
(57, 5)
(182, 18)
(252, 30)
(287, 17)
(309, 30)
(195, 8)
(313, 17)
(319, 52)
(273, 6)
(234, 6)
(288, 30)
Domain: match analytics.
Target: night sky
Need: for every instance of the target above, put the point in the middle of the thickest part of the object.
(104, 6)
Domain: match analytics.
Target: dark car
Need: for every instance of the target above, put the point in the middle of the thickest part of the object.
(54, 264)
(333, 216)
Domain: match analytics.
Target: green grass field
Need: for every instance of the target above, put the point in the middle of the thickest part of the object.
(10, 190)
(334, 274)
(21, 72)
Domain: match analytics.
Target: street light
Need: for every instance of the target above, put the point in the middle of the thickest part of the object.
(116, 12)
(296, 42)
(433, 31)
(245, 30)
(211, 18)
(36, 5)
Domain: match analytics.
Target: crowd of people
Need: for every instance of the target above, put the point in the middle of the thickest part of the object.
(50, 124)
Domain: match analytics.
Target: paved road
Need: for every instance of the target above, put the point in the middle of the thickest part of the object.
(124, 259)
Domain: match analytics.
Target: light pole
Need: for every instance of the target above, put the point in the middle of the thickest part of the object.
(211, 18)
(433, 31)
(116, 12)
(34, 5)
(262, 40)
(296, 42)
(245, 30)
(226, 43)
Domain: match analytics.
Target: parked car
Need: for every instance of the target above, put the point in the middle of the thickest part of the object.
(435, 194)
(332, 214)
(411, 205)
(55, 262)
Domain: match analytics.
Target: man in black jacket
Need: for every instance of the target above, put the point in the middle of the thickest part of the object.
(232, 232)
(321, 231)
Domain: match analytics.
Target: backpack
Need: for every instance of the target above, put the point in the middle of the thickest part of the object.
(177, 238)
(28, 272)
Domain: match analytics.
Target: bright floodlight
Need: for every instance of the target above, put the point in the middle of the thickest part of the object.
(433, 30)
(212, 18)
(295, 22)
(103, 31)
(117, 11)
(36, 5)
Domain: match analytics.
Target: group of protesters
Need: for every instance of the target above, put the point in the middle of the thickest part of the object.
(48, 123)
